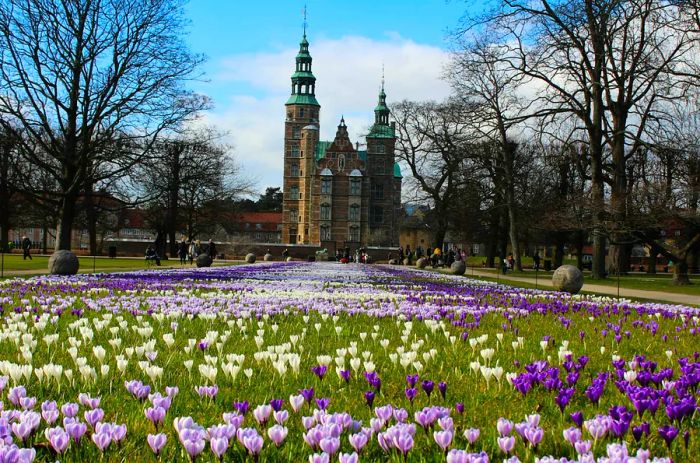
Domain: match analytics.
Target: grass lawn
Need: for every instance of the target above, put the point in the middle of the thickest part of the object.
(15, 265)
(658, 282)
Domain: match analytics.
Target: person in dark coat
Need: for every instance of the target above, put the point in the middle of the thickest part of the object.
(212, 250)
(26, 247)
(182, 251)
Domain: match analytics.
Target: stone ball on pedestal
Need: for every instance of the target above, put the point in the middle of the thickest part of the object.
(203, 260)
(63, 263)
(250, 258)
(422, 262)
(567, 278)
(267, 257)
(458, 267)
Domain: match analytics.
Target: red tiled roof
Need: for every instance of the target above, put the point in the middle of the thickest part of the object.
(260, 217)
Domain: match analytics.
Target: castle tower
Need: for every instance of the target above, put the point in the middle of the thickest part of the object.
(384, 190)
(301, 130)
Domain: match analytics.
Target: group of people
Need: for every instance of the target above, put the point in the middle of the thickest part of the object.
(438, 258)
(187, 251)
(360, 256)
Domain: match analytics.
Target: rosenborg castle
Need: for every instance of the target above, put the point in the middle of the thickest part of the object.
(336, 195)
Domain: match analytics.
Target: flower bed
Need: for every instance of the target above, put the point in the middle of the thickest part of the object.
(327, 362)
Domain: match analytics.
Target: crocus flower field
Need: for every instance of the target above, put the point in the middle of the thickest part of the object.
(339, 363)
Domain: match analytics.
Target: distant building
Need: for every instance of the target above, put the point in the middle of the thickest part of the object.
(335, 194)
(256, 227)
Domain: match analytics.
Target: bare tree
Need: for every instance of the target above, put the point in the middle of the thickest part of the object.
(433, 140)
(188, 180)
(479, 77)
(76, 75)
(606, 64)
(10, 181)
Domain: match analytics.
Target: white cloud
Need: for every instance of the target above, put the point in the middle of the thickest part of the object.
(348, 72)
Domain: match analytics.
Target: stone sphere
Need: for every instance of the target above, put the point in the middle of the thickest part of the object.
(393, 262)
(250, 258)
(63, 263)
(422, 262)
(567, 278)
(289, 259)
(267, 257)
(458, 267)
(406, 261)
(203, 260)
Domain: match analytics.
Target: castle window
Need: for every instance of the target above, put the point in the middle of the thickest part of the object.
(325, 233)
(377, 191)
(295, 170)
(294, 192)
(295, 152)
(294, 215)
(355, 234)
(296, 132)
(325, 212)
(301, 112)
(378, 166)
(376, 215)
(326, 185)
(380, 148)
(293, 235)
(354, 215)
(355, 187)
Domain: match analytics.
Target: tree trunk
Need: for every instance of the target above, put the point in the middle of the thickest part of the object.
(579, 249)
(680, 273)
(45, 237)
(91, 218)
(4, 231)
(559, 239)
(651, 270)
(64, 228)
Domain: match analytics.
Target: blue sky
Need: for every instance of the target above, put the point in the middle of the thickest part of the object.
(251, 47)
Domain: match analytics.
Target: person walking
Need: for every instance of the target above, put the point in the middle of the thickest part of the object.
(536, 260)
(26, 248)
(191, 252)
(212, 249)
(182, 251)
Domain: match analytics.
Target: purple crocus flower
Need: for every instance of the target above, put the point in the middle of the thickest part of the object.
(369, 398)
(102, 440)
(668, 433)
(276, 404)
(320, 371)
(308, 394)
(427, 386)
(156, 442)
(411, 380)
(459, 406)
(58, 439)
(241, 407)
(411, 393)
(76, 430)
(345, 374)
(322, 403)
(577, 418)
(156, 415)
(442, 387)
(218, 446)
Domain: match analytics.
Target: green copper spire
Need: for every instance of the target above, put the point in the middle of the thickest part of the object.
(303, 80)
(381, 111)
(381, 127)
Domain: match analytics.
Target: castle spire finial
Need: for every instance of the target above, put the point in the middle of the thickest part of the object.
(305, 21)
(382, 77)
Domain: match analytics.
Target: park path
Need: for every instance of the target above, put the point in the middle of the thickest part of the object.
(546, 282)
